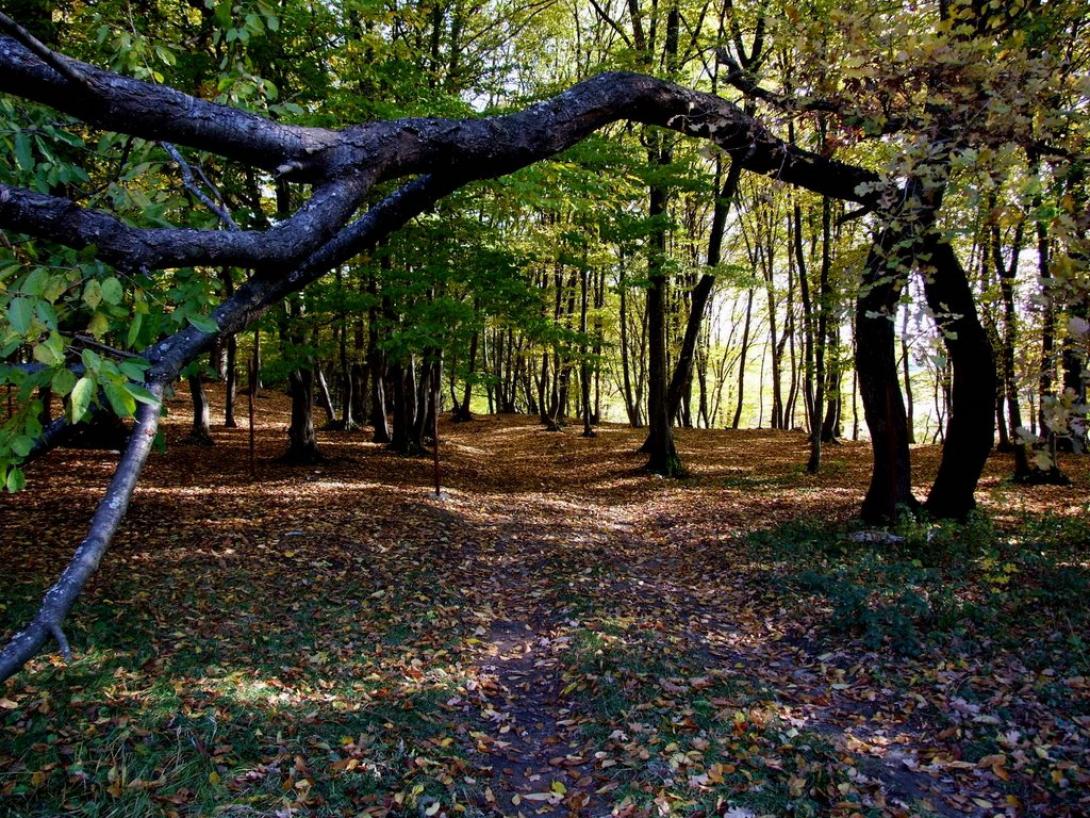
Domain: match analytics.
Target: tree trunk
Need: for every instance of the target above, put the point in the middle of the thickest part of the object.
(905, 364)
(970, 432)
(230, 387)
(742, 361)
(324, 399)
(302, 441)
(462, 411)
(663, 458)
(890, 485)
(584, 364)
(200, 434)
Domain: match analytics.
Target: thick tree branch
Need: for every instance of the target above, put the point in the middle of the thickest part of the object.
(157, 112)
(283, 245)
(492, 146)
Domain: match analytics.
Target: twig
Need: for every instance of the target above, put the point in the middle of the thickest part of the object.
(44, 53)
(191, 186)
(109, 350)
(62, 642)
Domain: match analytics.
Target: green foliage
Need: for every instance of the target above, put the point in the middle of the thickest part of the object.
(921, 584)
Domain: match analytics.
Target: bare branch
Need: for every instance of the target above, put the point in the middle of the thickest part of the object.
(190, 185)
(55, 61)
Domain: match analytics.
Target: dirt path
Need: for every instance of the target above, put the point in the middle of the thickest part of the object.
(530, 746)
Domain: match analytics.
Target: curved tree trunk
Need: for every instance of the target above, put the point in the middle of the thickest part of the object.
(883, 406)
(60, 598)
(970, 432)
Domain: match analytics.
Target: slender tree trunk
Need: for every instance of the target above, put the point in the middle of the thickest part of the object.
(742, 361)
(631, 401)
(324, 400)
(584, 367)
(905, 363)
(376, 361)
(200, 434)
(230, 381)
(462, 411)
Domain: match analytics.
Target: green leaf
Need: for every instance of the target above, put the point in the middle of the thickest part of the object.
(44, 353)
(92, 293)
(99, 324)
(36, 282)
(82, 393)
(134, 329)
(22, 445)
(23, 154)
(203, 323)
(133, 370)
(112, 292)
(62, 382)
(16, 480)
(122, 402)
(91, 360)
(141, 394)
(20, 311)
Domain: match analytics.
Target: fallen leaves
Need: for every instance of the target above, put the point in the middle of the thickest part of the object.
(559, 630)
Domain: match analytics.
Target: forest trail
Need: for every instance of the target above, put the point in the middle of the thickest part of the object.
(557, 634)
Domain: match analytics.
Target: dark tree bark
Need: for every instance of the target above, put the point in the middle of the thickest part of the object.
(230, 379)
(230, 386)
(200, 434)
(662, 454)
(462, 411)
(631, 397)
(970, 431)
(906, 362)
(302, 441)
(405, 439)
(584, 364)
(883, 277)
(737, 419)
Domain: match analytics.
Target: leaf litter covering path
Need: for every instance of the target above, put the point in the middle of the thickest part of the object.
(559, 634)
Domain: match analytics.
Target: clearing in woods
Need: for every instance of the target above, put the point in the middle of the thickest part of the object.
(558, 634)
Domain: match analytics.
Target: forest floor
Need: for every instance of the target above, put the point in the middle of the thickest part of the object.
(557, 634)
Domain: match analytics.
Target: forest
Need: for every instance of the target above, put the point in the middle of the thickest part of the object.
(632, 408)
